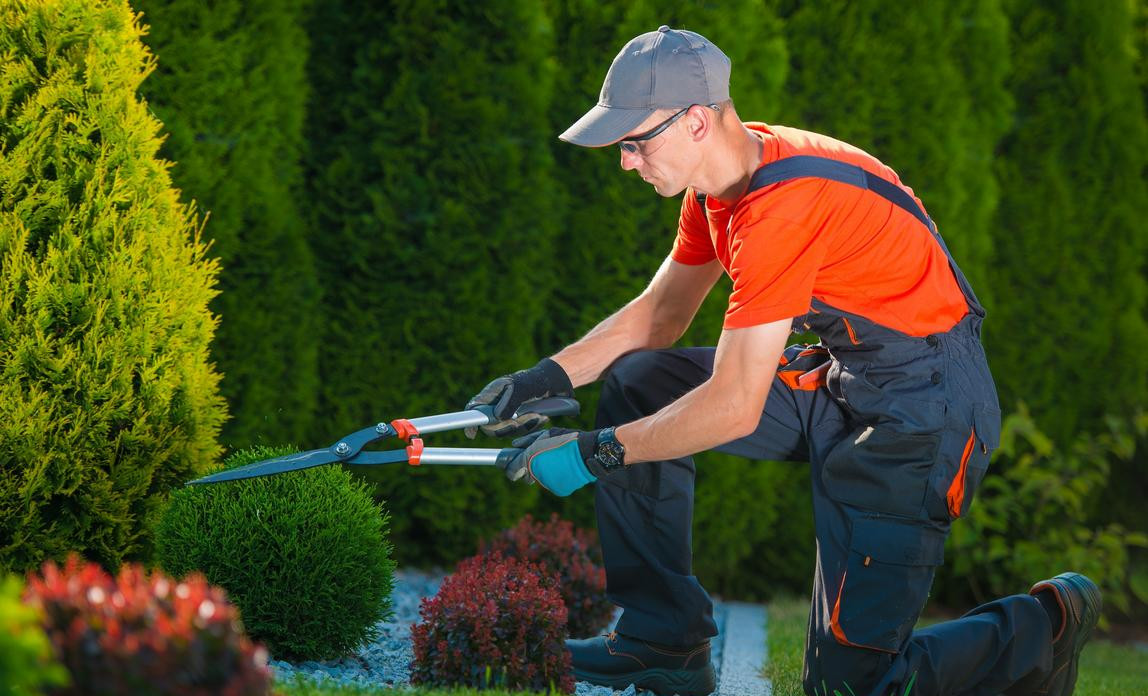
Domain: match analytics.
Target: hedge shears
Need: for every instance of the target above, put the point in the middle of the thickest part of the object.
(349, 450)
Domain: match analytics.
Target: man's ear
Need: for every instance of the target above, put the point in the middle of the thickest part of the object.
(700, 121)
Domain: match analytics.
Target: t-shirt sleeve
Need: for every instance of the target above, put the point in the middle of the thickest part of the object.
(773, 264)
(693, 245)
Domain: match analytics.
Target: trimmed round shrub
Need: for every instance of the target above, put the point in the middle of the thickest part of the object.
(495, 623)
(305, 555)
(26, 662)
(572, 557)
(142, 634)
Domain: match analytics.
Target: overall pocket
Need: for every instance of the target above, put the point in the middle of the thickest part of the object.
(961, 480)
(880, 469)
(886, 583)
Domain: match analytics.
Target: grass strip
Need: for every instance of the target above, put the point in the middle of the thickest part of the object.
(1106, 669)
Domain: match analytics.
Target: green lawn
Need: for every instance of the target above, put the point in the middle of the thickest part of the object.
(1106, 669)
(299, 686)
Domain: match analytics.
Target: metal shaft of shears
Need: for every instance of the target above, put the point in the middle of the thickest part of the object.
(352, 444)
(465, 456)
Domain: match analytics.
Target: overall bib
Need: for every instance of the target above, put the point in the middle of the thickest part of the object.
(898, 431)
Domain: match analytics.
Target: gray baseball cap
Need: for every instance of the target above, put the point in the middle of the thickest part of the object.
(663, 69)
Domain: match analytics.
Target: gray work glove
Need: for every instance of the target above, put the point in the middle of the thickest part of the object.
(508, 392)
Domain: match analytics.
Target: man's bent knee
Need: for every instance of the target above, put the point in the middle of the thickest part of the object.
(640, 383)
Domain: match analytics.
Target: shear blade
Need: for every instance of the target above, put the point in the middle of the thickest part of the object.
(267, 467)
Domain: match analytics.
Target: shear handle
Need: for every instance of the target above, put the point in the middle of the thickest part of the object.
(484, 415)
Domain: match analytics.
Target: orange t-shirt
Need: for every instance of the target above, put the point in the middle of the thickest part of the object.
(789, 242)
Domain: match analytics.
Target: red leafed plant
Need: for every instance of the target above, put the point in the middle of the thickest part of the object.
(495, 623)
(573, 557)
(145, 635)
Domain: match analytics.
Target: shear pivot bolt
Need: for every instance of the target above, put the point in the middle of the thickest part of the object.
(382, 428)
(342, 448)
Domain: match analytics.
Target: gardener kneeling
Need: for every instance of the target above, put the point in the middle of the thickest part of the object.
(895, 408)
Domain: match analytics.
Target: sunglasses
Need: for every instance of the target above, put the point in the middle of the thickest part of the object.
(631, 145)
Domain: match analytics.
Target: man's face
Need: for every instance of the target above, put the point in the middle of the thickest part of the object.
(657, 150)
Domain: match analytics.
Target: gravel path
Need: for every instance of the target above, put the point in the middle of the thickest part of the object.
(386, 661)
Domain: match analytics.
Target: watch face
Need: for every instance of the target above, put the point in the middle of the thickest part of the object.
(610, 454)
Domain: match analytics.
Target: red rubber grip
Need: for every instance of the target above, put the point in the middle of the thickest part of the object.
(404, 428)
(415, 451)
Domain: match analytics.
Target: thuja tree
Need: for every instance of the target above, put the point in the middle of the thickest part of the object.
(231, 89)
(107, 398)
(430, 179)
(1071, 242)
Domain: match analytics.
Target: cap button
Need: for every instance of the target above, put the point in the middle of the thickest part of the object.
(664, 28)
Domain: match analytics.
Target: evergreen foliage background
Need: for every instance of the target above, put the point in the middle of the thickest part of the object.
(1071, 238)
(231, 89)
(397, 222)
(428, 178)
(107, 398)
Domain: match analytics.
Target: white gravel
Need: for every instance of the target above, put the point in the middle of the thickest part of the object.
(386, 661)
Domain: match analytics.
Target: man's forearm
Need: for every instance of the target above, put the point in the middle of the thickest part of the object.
(625, 331)
(701, 420)
(654, 319)
(724, 408)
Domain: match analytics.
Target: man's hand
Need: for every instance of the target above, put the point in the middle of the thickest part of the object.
(561, 460)
(508, 392)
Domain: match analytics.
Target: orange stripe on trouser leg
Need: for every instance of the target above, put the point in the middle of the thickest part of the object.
(956, 494)
(835, 621)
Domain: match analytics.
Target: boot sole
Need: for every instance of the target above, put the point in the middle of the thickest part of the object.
(664, 682)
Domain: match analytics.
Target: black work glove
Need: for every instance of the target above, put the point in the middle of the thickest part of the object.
(508, 392)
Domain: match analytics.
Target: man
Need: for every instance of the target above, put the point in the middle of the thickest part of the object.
(895, 409)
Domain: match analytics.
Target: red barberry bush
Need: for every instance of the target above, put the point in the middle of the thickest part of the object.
(573, 557)
(495, 623)
(145, 635)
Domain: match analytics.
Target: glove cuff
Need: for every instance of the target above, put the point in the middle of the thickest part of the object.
(555, 379)
(588, 443)
(587, 446)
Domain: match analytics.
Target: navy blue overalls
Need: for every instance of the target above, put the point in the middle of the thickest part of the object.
(898, 431)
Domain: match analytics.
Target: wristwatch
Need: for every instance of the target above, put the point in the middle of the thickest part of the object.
(609, 453)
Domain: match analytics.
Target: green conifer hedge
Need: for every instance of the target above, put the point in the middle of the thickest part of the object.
(431, 188)
(1070, 330)
(231, 89)
(107, 399)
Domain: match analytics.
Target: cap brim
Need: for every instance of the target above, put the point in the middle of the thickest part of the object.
(602, 126)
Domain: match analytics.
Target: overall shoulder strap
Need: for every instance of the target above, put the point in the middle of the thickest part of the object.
(801, 166)
(811, 166)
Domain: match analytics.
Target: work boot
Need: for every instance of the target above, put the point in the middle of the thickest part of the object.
(1079, 602)
(617, 661)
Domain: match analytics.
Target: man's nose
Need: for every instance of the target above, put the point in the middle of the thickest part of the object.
(630, 160)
